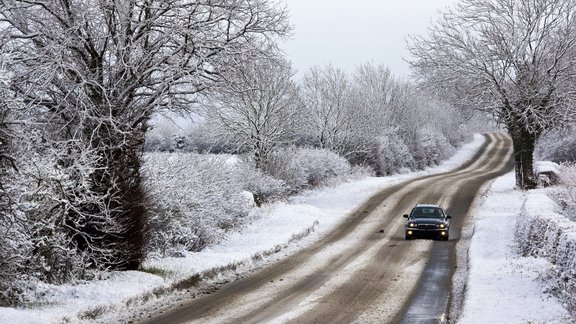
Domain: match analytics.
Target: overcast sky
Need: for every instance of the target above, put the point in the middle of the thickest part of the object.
(349, 32)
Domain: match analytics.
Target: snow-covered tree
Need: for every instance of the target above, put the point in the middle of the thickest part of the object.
(327, 97)
(380, 104)
(513, 59)
(259, 105)
(93, 72)
(370, 114)
(380, 93)
(11, 236)
(7, 161)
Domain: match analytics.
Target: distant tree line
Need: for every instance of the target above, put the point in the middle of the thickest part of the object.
(369, 117)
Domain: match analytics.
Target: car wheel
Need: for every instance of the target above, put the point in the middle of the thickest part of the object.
(445, 238)
(407, 237)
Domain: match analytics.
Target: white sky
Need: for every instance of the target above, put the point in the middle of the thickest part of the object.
(349, 32)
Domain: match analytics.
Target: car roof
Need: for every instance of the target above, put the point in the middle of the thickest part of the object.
(428, 205)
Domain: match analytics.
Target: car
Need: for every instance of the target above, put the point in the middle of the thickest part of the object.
(427, 220)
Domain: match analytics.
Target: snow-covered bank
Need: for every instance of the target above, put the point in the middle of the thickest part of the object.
(543, 233)
(503, 286)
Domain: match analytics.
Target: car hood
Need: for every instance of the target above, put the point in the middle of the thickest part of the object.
(427, 220)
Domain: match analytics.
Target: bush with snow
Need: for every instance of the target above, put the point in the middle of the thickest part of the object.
(302, 168)
(565, 193)
(430, 147)
(263, 187)
(558, 146)
(36, 238)
(542, 232)
(49, 233)
(194, 200)
(393, 154)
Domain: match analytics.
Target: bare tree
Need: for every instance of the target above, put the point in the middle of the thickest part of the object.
(94, 71)
(259, 106)
(382, 94)
(513, 59)
(378, 105)
(327, 96)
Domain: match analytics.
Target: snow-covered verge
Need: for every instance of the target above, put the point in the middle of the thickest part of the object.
(565, 193)
(196, 200)
(504, 285)
(543, 233)
(302, 219)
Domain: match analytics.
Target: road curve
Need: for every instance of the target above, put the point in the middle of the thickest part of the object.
(363, 271)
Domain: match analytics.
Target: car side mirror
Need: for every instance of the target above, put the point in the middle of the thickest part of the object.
(448, 216)
(405, 216)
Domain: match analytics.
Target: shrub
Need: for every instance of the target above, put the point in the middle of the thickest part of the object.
(302, 168)
(565, 193)
(540, 232)
(263, 187)
(393, 154)
(430, 147)
(194, 200)
(35, 245)
(558, 146)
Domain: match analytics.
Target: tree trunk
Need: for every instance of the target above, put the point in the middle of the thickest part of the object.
(113, 224)
(260, 150)
(128, 203)
(524, 144)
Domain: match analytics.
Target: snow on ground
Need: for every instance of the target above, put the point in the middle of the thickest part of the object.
(321, 210)
(61, 302)
(502, 286)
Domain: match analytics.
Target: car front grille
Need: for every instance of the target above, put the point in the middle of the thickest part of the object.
(426, 226)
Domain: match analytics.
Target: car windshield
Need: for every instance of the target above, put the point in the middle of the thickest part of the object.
(427, 212)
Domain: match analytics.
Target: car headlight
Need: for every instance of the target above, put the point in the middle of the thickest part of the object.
(411, 225)
(442, 225)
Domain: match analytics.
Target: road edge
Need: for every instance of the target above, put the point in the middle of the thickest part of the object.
(460, 277)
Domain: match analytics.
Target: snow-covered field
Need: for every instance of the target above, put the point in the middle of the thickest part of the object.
(499, 296)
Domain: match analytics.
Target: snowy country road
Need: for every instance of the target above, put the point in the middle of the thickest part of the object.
(363, 271)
